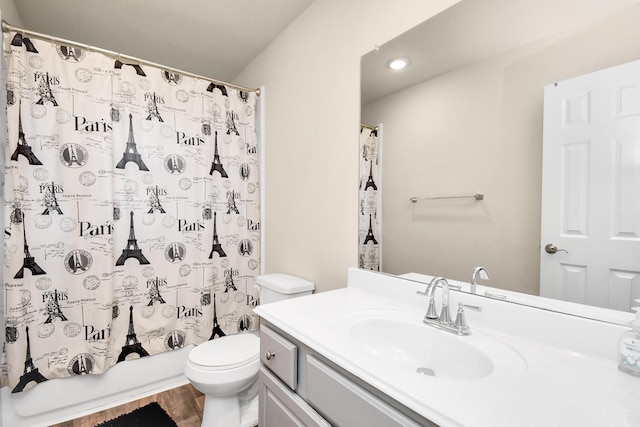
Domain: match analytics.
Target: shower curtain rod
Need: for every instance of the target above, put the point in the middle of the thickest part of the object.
(369, 126)
(6, 27)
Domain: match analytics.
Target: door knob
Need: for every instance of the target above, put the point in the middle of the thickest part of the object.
(550, 248)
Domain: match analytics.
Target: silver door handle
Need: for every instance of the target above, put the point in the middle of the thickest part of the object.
(550, 248)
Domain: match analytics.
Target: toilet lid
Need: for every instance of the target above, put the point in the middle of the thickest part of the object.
(226, 352)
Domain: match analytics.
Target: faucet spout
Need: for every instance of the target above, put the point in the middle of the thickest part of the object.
(482, 273)
(433, 284)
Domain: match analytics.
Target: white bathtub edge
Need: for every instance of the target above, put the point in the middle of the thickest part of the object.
(86, 395)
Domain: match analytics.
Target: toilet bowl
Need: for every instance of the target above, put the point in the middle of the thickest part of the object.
(224, 370)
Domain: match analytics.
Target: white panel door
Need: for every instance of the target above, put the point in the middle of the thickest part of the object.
(591, 189)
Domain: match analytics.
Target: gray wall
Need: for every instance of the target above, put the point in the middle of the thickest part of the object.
(9, 13)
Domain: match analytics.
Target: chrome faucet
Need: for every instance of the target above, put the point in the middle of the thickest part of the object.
(443, 321)
(478, 271)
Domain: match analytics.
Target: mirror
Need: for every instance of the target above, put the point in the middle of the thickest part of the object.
(466, 117)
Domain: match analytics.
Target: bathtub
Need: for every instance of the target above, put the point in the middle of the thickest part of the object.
(59, 400)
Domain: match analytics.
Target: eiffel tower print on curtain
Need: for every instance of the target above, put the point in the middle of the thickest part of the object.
(29, 262)
(132, 345)
(216, 166)
(217, 247)
(217, 330)
(221, 88)
(152, 108)
(31, 373)
(229, 283)
(370, 182)
(44, 91)
(131, 151)
(139, 71)
(23, 147)
(154, 201)
(154, 294)
(231, 203)
(370, 237)
(231, 123)
(19, 40)
(53, 307)
(51, 201)
(132, 250)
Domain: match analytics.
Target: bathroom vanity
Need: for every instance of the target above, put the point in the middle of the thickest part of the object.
(361, 355)
(323, 392)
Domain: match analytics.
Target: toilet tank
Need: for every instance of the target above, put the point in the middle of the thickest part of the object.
(278, 287)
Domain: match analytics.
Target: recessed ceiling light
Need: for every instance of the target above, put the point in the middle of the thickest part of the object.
(398, 63)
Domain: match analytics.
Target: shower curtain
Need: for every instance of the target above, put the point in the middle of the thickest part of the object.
(369, 220)
(132, 211)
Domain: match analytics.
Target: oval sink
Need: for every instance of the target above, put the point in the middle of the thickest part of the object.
(420, 348)
(400, 343)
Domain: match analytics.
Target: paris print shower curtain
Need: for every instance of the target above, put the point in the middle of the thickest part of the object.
(369, 218)
(132, 211)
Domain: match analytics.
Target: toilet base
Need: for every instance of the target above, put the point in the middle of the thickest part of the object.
(249, 412)
(221, 411)
(230, 412)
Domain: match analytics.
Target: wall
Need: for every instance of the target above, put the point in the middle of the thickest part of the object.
(479, 129)
(9, 13)
(312, 77)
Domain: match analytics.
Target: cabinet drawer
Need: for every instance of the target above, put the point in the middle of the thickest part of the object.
(280, 407)
(279, 355)
(346, 404)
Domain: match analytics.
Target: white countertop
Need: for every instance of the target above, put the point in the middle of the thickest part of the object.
(571, 376)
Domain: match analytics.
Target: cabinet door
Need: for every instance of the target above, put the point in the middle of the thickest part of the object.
(280, 407)
(346, 404)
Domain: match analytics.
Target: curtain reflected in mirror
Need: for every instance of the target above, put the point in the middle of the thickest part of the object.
(369, 219)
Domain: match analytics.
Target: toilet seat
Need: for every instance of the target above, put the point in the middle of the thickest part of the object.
(228, 352)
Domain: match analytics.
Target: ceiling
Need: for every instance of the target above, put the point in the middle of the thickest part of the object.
(213, 38)
(471, 31)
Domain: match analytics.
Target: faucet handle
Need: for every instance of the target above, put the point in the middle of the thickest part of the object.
(461, 322)
(425, 293)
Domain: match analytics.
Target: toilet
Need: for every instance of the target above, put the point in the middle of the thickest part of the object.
(225, 369)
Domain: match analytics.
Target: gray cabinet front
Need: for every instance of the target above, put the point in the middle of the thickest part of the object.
(346, 404)
(280, 407)
(298, 387)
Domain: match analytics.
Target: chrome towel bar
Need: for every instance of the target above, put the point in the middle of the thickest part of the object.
(477, 196)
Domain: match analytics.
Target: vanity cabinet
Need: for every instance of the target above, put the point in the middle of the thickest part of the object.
(281, 407)
(299, 387)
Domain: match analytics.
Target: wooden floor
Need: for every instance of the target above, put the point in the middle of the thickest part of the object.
(184, 404)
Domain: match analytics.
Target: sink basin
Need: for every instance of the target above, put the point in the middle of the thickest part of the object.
(398, 343)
